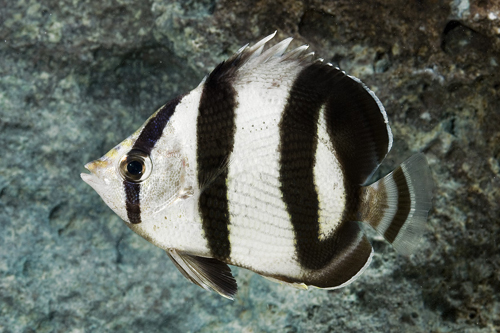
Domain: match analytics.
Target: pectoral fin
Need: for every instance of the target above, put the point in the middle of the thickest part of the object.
(208, 273)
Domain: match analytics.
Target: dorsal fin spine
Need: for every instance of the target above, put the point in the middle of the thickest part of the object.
(255, 55)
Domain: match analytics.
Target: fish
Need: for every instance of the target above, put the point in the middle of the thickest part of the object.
(267, 166)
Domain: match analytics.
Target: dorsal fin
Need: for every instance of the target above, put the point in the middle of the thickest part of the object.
(255, 55)
(358, 127)
(275, 51)
(355, 118)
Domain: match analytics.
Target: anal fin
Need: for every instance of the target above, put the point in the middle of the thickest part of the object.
(208, 273)
(296, 285)
(352, 254)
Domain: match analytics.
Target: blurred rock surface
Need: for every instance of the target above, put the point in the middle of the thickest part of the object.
(77, 77)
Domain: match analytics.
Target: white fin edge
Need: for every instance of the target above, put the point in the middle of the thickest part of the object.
(382, 110)
(420, 185)
(255, 55)
(384, 204)
(275, 51)
(295, 54)
(256, 50)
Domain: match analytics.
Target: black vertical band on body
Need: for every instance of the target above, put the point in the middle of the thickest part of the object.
(298, 142)
(360, 137)
(350, 112)
(146, 141)
(215, 130)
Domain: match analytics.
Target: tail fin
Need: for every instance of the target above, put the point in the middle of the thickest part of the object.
(397, 205)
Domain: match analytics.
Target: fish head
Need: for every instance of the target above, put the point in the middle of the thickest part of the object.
(139, 183)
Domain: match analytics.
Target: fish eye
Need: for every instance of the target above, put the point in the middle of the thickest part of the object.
(136, 166)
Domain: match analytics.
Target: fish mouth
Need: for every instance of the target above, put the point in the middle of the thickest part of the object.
(91, 178)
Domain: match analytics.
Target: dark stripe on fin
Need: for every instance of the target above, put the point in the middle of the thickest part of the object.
(146, 141)
(215, 140)
(298, 142)
(397, 205)
(352, 254)
(357, 128)
(404, 205)
(132, 201)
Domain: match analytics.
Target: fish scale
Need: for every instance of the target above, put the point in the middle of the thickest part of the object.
(263, 166)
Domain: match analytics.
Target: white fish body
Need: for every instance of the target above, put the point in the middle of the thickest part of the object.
(261, 166)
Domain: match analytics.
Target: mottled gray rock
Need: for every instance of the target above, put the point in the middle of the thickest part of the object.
(76, 77)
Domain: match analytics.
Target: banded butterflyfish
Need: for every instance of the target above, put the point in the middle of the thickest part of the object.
(265, 166)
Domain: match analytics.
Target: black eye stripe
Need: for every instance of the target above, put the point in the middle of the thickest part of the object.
(146, 141)
(132, 201)
(154, 128)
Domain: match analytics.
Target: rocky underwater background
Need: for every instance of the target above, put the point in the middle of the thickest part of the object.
(77, 77)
